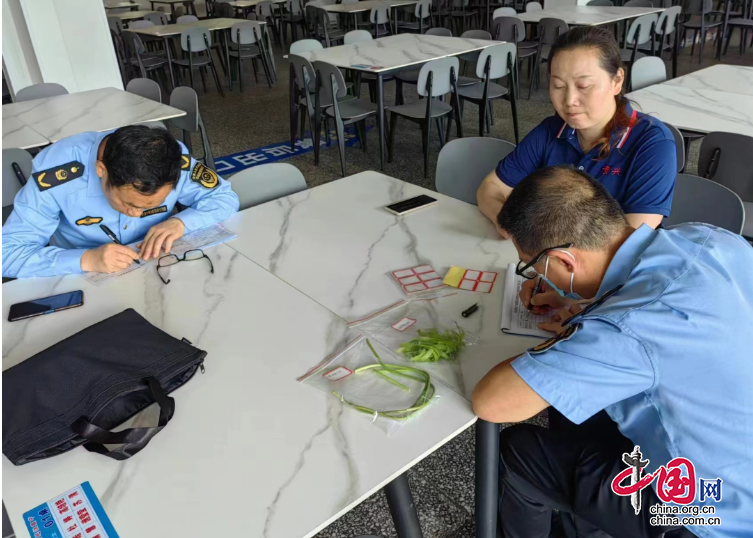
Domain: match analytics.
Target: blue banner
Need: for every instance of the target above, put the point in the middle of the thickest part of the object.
(232, 164)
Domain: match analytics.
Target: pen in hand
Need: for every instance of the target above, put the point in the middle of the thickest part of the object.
(536, 289)
(113, 237)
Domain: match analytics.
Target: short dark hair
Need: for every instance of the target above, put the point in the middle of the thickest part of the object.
(145, 158)
(558, 205)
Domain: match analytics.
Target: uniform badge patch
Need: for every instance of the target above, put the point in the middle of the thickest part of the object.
(154, 211)
(185, 163)
(561, 337)
(205, 176)
(88, 221)
(58, 175)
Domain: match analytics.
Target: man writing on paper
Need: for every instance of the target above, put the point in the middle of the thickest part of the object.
(129, 180)
(664, 349)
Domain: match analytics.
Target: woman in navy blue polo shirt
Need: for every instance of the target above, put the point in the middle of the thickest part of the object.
(596, 130)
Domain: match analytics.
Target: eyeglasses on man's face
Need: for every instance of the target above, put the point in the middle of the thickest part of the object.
(189, 256)
(526, 270)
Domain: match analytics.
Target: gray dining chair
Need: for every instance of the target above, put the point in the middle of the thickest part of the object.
(265, 11)
(158, 19)
(602, 3)
(138, 25)
(324, 29)
(504, 12)
(185, 99)
(247, 43)
(145, 87)
(332, 89)
(194, 42)
(744, 22)
(549, 30)
(186, 19)
(15, 161)
(359, 36)
(679, 145)
(701, 200)
(142, 61)
(40, 91)
(533, 6)
(115, 24)
(461, 13)
(380, 16)
(640, 32)
(725, 159)
(706, 20)
(266, 182)
(436, 79)
(410, 74)
(465, 162)
(494, 63)
(647, 71)
(666, 36)
(512, 30)
(424, 19)
(469, 57)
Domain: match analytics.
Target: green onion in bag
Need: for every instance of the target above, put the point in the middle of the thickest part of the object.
(433, 346)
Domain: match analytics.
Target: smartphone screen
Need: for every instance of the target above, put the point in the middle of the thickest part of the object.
(46, 305)
(411, 204)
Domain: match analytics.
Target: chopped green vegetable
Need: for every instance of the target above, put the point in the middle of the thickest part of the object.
(406, 372)
(433, 346)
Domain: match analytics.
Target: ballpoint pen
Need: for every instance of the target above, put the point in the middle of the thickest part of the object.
(536, 289)
(113, 237)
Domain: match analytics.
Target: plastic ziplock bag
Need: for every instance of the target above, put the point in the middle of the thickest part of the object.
(385, 389)
(424, 334)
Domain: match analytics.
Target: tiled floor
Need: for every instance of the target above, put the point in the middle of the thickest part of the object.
(442, 484)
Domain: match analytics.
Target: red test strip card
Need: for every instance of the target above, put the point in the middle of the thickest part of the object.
(417, 279)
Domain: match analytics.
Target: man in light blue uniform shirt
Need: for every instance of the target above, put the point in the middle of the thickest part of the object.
(128, 180)
(665, 347)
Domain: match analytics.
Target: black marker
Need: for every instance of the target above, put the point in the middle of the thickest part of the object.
(469, 311)
(113, 238)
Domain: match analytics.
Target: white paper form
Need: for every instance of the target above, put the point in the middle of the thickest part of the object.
(516, 318)
(200, 239)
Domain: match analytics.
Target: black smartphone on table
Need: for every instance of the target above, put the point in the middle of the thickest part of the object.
(46, 305)
(411, 204)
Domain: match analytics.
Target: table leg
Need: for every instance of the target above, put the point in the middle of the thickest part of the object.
(169, 60)
(380, 118)
(488, 22)
(172, 11)
(402, 509)
(355, 21)
(293, 108)
(226, 38)
(487, 478)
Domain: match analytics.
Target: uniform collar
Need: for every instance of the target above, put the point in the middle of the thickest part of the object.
(618, 139)
(94, 187)
(626, 258)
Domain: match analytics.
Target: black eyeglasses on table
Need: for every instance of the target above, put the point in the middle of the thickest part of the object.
(189, 256)
(527, 270)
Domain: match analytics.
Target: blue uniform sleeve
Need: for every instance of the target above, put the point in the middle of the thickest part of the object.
(598, 366)
(652, 178)
(210, 199)
(526, 158)
(27, 231)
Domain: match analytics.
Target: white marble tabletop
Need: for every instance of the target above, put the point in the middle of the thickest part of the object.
(588, 15)
(131, 15)
(16, 134)
(171, 1)
(249, 447)
(396, 51)
(734, 79)
(94, 110)
(120, 5)
(696, 109)
(367, 5)
(166, 30)
(338, 245)
(252, 3)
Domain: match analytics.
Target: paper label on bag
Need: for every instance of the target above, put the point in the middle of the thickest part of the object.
(77, 513)
(341, 372)
(403, 324)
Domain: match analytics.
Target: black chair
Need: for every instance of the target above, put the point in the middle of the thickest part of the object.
(194, 42)
(460, 14)
(323, 29)
(725, 158)
(696, 199)
(666, 36)
(422, 14)
(435, 80)
(704, 10)
(744, 23)
(142, 62)
(247, 43)
(641, 31)
(549, 30)
(512, 30)
(410, 74)
(493, 63)
(293, 18)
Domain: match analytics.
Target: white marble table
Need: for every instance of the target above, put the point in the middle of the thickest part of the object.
(189, 4)
(95, 110)
(733, 79)
(249, 447)
(697, 105)
(337, 244)
(131, 15)
(121, 5)
(368, 5)
(389, 54)
(16, 134)
(588, 15)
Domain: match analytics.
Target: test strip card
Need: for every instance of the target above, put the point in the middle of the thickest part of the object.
(470, 279)
(417, 279)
